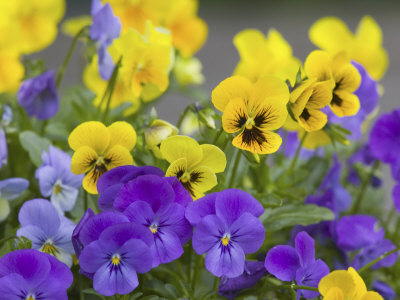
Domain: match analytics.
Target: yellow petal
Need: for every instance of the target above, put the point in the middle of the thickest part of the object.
(179, 146)
(92, 134)
(360, 288)
(231, 88)
(89, 182)
(122, 133)
(368, 32)
(11, 72)
(213, 157)
(300, 97)
(270, 88)
(83, 160)
(317, 65)
(249, 43)
(177, 168)
(315, 139)
(321, 95)
(371, 296)
(270, 114)
(334, 294)
(300, 88)
(331, 34)
(279, 47)
(344, 103)
(312, 119)
(235, 115)
(72, 26)
(348, 78)
(258, 141)
(202, 179)
(340, 279)
(117, 156)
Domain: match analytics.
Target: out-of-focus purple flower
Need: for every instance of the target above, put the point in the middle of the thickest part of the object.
(358, 231)
(287, 264)
(38, 95)
(384, 290)
(76, 241)
(368, 254)
(292, 142)
(10, 189)
(30, 274)
(253, 271)
(153, 207)
(396, 197)
(226, 228)
(120, 252)
(105, 28)
(5, 121)
(57, 181)
(49, 232)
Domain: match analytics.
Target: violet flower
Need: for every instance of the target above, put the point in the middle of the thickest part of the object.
(5, 121)
(120, 253)
(105, 28)
(226, 228)
(10, 189)
(38, 95)
(287, 264)
(384, 290)
(49, 232)
(369, 253)
(57, 181)
(30, 274)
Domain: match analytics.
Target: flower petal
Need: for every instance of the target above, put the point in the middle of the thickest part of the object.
(92, 134)
(179, 146)
(123, 134)
(137, 255)
(117, 156)
(305, 247)
(202, 179)
(282, 262)
(47, 177)
(270, 88)
(12, 188)
(208, 233)
(167, 246)
(258, 141)
(83, 159)
(344, 103)
(213, 157)
(235, 115)
(317, 65)
(248, 232)
(310, 275)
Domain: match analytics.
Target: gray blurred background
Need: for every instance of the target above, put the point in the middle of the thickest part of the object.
(225, 18)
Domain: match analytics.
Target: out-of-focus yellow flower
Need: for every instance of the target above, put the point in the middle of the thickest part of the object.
(193, 164)
(122, 91)
(365, 46)
(345, 285)
(99, 148)
(324, 66)
(188, 71)
(30, 26)
(158, 131)
(11, 71)
(261, 56)
(253, 110)
(72, 26)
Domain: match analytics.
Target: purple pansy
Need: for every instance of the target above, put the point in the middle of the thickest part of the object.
(30, 274)
(369, 253)
(49, 231)
(384, 290)
(253, 271)
(10, 189)
(105, 28)
(287, 264)
(226, 228)
(56, 179)
(120, 252)
(38, 95)
(5, 121)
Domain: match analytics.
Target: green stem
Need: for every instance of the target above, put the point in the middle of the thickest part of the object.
(235, 167)
(364, 186)
(370, 264)
(296, 157)
(190, 262)
(85, 201)
(217, 136)
(196, 271)
(2, 241)
(110, 89)
(69, 54)
(216, 284)
(297, 287)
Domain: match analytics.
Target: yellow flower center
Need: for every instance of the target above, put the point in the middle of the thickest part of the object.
(49, 248)
(225, 240)
(116, 259)
(57, 189)
(249, 123)
(185, 177)
(153, 228)
(30, 297)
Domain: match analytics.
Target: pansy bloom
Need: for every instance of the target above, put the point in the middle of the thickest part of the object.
(10, 189)
(30, 274)
(298, 263)
(226, 228)
(193, 164)
(253, 110)
(99, 148)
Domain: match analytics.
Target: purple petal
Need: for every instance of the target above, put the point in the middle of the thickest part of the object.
(35, 234)
(11, 286)
(60, 278)
(114, 176)
(167, 246)
(47, 177)
(106, 198)
(140, 213)
(76, 240)
(173, 218)
(384, 290)
(182, 196)
(248, 232)
(396, 197)
(367, 92)
(311, 275)
(225, 261)
(200, 208)
(13, 187)
(208, 233)
(106, 26)
(305, 247)
(3, 148)
(92, 257)
(115, 236)
(105, 61)
(232, 203)
(368, 254)
(65, 199)
(137, 254)
(282, 262)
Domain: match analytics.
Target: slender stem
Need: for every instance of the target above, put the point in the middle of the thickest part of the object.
(364, 186)
(190, 262)
(296, 157)
(85, 201)
(218, 134)
(110, 88)
(235, 167)
(297, 287)
(196, 271)
(370, 264)
(2, 241)
(216, 284)
(69, 54)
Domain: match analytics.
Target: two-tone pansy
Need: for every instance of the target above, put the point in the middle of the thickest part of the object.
(158, 131)
(253, 110)
(193, 164)
(99, 148)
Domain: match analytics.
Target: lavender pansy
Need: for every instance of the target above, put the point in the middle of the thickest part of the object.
(5, 121)
(30, 274)
(369, 253)
(57, 181)
(49, 232)
(228, 234)
(38, 95)
(10, 189)
(287, 264)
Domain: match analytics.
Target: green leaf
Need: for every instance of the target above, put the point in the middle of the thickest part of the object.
(290, 215)
(93, 292)
(136, 296)
(269, 200)
(24, 243)
(34, 145)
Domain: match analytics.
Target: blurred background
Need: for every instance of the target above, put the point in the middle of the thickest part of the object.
(225, 18)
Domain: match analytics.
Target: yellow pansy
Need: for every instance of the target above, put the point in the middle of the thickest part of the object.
(345, 285)
(30, 26)
(324, 66)
(365, 46)
(99, 148)
(158, 131)
(193, 164)
(261, 56)
(306, 100)
(122, 91)
(253, 110)
(11, 71)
